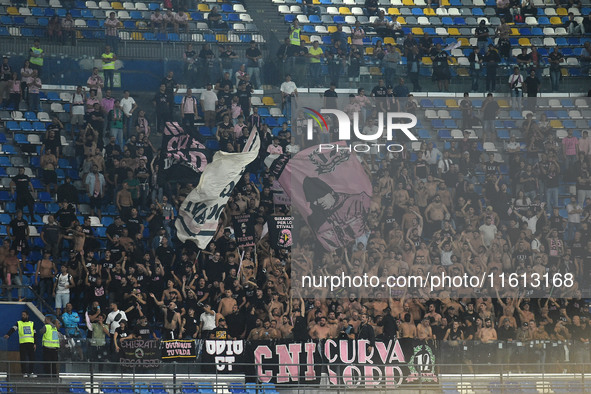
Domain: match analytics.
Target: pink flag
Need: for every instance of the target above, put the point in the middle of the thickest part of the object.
(332, 192)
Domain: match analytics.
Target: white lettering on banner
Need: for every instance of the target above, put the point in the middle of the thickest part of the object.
(200, 212)
(225, 352)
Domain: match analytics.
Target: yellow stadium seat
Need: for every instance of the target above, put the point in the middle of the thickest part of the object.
(203, 7)
(524, 42)
(12, 11)
(445, 3)
(375, 71)
(79, 34)
(344, 11)
(269, 101)
(408, 2)
(221, 38)
(417, 31)
(463, 72)
(393, 11)
(332, 29)
(369, 51)
(137, 36)
(427, 61)
(451, 103)
(564, 72)
(316, 2)
(556, 124)
(503, 103)
(306, 39)
(117, 5)
(401, 20)
(453, 61)
(389, 40)
(514, 31)
(464, 41)
(561, 12)
(555, 20)
(31, 3)
(453, 31)
(349, 41)
(429, 12)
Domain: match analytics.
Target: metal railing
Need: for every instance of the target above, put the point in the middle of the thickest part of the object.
(466, 366)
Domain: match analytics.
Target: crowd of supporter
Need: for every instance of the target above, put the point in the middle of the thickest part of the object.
(455, 210)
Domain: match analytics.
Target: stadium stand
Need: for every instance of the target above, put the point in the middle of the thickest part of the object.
(495, 181)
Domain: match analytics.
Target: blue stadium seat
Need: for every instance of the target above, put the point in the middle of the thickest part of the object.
(314, 19)
(13, 125)
(417, 12)
(6, 20)
(5, 196)
(212, 144)
(444, 134)
(27, 126)
(290, 18)
(189, 388)
(153, 6)
(543, 20)
(44, 197)
(205, 388)
(21, 139)
(426, 103)
(447, 21)
(477, 12)
(206, 131)
(339, 19)
(109, 388)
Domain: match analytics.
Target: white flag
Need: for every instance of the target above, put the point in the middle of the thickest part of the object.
(200, 212)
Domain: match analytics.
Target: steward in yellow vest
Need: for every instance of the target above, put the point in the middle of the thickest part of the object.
(26, 340)
(36, 56)
(51, 344)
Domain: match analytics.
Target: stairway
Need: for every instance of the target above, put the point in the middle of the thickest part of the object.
(270, 23)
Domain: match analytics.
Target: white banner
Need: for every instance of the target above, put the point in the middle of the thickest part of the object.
(200, 212)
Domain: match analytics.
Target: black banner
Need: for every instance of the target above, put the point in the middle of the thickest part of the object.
(140, 353)
(225, 356)
(178, 349)
(280, 228)
(244, 230)
(352, 364)
(184, 157)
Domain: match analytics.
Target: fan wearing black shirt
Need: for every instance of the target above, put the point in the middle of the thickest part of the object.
(142, 330)
(532, 85)
(441, 71)
(24, 192)
(163, 110)
(227, 57)
(380, 90)
(171, 87)
(18, 229)
(190, 325)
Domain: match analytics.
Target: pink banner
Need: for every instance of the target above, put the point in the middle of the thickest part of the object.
(331, 191)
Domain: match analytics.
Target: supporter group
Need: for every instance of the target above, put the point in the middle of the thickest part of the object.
(441, 205)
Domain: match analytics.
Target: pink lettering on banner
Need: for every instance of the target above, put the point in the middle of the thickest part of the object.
(260, 353)
(310, 348)
(393, 376)
(289, 361)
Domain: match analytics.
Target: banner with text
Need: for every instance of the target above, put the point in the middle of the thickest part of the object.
(178, 349)
(140, 353)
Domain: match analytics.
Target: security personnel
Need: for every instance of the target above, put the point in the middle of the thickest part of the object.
(51, 344)
(36, 57)
(26, 340)
(108, 59)
(295, 33)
